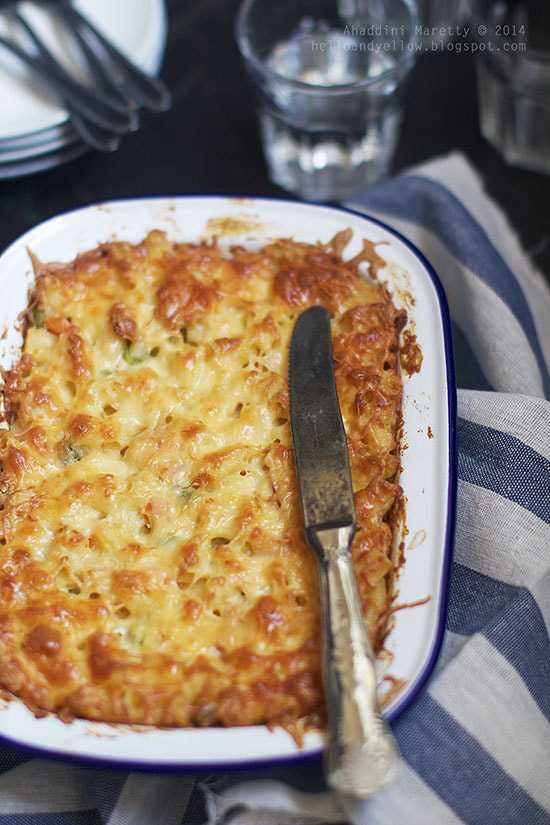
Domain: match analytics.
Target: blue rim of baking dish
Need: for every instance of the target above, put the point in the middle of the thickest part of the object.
(436, 641)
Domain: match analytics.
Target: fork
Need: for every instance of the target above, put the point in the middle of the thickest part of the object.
(124, 77)
(97, 118)
(93, 126)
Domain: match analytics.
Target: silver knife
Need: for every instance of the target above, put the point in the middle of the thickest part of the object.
(361, 755)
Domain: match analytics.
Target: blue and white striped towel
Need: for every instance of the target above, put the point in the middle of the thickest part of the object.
(476, 743)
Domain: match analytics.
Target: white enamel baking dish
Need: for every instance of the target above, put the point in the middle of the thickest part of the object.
(428, 462)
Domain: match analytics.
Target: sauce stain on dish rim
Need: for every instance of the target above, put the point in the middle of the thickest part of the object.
(234, 226)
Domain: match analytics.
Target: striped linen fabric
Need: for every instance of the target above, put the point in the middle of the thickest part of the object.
(476, 742)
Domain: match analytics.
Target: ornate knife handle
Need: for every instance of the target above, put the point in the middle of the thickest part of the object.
(361, 755)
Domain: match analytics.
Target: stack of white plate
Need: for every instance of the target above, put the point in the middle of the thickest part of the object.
(35, 131)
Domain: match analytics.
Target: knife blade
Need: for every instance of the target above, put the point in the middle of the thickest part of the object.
(361, 754)
(318, 434)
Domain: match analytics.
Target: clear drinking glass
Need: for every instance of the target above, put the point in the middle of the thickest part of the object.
(330, 80)
(513, 79)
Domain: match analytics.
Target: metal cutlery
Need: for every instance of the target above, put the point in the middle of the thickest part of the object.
(123, 117)
(99, 113)
(132, 83)
(361, 754)
(87, 112)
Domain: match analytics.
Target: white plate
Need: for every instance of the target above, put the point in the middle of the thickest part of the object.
(428, 476)
(36, 138)
(137, 27)
(23, 152)
(41, 162)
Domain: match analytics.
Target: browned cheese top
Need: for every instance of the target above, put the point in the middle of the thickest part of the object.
(153, 567)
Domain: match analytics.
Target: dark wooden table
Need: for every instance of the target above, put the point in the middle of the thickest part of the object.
(208, 142)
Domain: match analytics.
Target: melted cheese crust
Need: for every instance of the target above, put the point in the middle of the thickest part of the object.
(153, 567)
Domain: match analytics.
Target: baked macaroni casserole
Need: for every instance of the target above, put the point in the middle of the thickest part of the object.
(153, 567)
